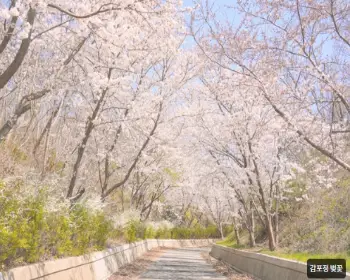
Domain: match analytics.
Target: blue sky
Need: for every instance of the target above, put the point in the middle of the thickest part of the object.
(219, 3)
(220, 6)
(222, 11)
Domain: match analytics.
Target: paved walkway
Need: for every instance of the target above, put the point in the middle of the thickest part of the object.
(185, 263)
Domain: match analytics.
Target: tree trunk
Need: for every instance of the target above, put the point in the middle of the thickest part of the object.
(252, 225)
(10, 30)
(46, 129)
(266, 208)
(25, 104)
(272, 242)
(236, 230)
(88, 130)
(268, 221)
(122, 198)
(276, 214)
(221, 232)
(261, 219)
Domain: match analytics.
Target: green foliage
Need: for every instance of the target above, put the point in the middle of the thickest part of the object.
(230, 239)
(163, 233)
(58, 235)
(150, 233)
(130, 233)
(212, 231)
(320, 226)
(227, 230)
(304, 256)
(21, 225)
(134, 231)
(28, 232)
(173, 175)
(90, 230)
(196, 232)
(181, 233)
(113, 165)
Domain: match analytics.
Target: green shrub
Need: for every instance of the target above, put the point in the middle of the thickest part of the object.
(21, 225)
(212, 232)
(90, 230)
(181, 233)
(150, 232)
(163, 233)
(102, 230)
(28, 233)
(117, 233)
(228, 229)
(131, 231)
(196, 232)
(58, 235)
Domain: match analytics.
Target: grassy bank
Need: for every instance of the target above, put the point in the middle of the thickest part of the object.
(281, 253)
(304, 256)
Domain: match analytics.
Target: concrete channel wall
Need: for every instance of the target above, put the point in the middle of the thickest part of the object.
(262, 266)
(95, 266)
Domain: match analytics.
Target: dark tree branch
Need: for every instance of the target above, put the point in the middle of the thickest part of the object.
(82, 146)
(336, 27)
(21, 53)
(137, 158)
(104, 8)
(9, 34)
(23, 106)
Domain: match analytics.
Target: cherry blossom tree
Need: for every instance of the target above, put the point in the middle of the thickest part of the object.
(288, 64)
